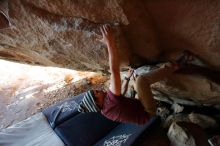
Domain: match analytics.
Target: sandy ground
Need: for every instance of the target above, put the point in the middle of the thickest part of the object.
(26, 90)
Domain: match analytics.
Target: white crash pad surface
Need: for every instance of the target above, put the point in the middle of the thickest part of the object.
(34, 131)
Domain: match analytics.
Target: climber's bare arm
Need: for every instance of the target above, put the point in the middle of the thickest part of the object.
(115, 79)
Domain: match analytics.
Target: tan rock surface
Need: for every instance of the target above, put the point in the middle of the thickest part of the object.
(186, 134)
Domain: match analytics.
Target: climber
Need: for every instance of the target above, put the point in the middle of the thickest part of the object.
(112, 104)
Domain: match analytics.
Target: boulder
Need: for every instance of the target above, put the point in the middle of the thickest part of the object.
(186, 134)
(64, 33)
(203, 121)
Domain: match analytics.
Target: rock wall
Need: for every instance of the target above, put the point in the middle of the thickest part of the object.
(192, 25)
(64, 33)
(40, 35)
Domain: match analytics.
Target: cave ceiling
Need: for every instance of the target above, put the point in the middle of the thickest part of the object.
(65, 33)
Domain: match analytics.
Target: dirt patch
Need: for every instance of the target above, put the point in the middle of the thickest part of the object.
(26, 90)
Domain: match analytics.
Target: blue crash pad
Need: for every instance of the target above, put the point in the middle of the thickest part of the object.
(94, 129)
(86, 129)
(63, 111)
(124, 134)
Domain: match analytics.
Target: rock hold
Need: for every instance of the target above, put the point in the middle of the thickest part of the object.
(202, 120)
(179, 136)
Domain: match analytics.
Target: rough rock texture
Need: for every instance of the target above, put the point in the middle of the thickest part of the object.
(64, 32)
(4, 19)
(204, 121)
(186, 134)
(179, 136)
(197, 89)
